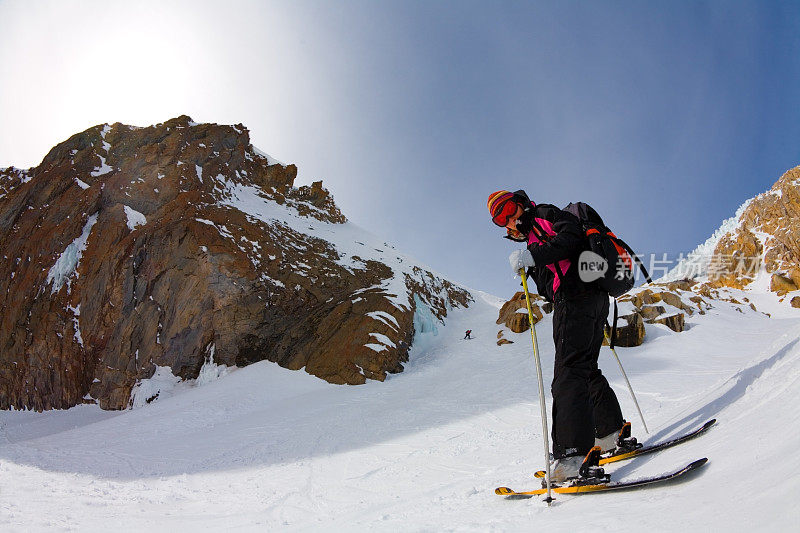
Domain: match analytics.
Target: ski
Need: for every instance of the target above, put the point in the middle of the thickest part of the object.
(657, 447)
(602, 487)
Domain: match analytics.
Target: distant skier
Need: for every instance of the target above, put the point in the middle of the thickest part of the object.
(586, 412)
(467, 335)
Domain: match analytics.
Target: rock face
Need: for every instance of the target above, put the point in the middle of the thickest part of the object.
(129, 249)
(765, 234)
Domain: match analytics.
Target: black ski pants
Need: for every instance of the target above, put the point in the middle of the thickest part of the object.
(584, 406)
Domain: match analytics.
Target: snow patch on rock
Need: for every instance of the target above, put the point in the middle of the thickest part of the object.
(135, 218)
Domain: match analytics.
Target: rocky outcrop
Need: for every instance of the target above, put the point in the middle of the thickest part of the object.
(767, 235)
(129, 249)
(782, 284)
(514, 315)
(676, 322)
(630, 331)
(501, 339)
(659, 303)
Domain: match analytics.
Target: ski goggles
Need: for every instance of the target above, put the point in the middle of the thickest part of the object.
(504, 212)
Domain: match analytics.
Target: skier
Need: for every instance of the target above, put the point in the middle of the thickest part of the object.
(586, 412)
(467, 335)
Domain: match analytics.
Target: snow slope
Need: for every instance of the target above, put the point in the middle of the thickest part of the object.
(263, 448)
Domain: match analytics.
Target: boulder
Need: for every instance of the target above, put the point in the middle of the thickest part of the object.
(675, 322)
(681, 285)
(781, 284)
(673, 299)
(630, 331)
(650, 312)
(501, 339)
(514, 313)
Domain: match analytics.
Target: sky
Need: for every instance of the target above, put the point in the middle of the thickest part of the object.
(664, 116)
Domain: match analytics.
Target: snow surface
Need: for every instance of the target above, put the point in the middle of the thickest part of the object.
(263, 448)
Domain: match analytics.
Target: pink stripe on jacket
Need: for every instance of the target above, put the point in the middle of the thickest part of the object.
(564, 263)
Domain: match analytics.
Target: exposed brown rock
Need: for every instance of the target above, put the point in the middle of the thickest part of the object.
(684, 295)
(681, 285)
(675, 322)
(630, 331)
(197, 272)
(642, 298)
(795, 302)
(650, 312)
(519, 323)
(781, 284)
(649, 307)
(769, 230)
(675, 300)
(514, 313)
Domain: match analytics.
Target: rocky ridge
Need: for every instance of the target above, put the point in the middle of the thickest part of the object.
(761, 241)
(180, 246)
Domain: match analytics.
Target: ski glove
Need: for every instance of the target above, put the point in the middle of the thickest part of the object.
(520, 259)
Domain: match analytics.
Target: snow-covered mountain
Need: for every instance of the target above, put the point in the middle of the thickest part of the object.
(135, 258)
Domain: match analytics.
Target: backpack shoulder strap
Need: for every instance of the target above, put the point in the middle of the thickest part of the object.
(636, 258)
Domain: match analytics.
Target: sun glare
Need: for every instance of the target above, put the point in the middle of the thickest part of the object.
(125, 63)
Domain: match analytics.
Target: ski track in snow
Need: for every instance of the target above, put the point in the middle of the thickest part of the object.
(264, 448)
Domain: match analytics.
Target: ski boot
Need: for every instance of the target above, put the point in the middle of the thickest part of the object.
(574, 470)
(618, 442)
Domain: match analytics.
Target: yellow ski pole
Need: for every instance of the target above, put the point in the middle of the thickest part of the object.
(542, 399)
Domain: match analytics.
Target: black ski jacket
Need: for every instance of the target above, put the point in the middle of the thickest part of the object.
(555, 239)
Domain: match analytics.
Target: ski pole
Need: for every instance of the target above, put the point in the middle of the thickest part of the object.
(542, 402)
(628, 382)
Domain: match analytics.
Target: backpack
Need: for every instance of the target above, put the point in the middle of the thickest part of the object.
(618, 278)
